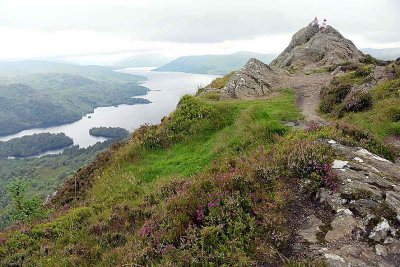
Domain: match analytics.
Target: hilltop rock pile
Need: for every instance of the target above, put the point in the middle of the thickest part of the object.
(311, 48)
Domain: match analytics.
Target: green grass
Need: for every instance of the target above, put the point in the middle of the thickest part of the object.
(250, 124)
(216, 132)
(384, 117)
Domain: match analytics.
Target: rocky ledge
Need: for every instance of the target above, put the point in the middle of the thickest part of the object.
(363, 222)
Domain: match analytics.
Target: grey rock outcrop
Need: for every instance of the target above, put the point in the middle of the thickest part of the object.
(365, 228)
(310, 229)
(255, 79)
(311, 48)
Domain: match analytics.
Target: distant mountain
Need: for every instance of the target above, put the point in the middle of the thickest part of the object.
(213, 64)
(98, 73)
(384, 54)
(144, 60)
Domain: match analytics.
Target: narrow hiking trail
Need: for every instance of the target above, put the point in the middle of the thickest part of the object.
(308, 88)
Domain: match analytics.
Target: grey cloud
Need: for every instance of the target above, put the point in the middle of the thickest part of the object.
(212, 20)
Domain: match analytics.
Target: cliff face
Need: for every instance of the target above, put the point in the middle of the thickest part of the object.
(312, 48)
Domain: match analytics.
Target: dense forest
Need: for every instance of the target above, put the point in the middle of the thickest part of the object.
(32, 145)
(109, 132)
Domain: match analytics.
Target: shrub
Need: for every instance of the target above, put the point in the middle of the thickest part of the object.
(220, 83)
(394, 114)
(332, 96)
(24, 209)
(362, 71)
(192, 116)
(354, 135)
(357, 101)
(308, 161)
(215, 96)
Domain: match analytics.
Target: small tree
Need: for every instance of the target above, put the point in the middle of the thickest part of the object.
(23, 209)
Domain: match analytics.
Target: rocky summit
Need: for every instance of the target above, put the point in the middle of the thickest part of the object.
(312, 48)
(309, 50)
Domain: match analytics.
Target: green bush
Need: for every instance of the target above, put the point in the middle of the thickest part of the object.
(357, 101)
(220, 83)
(355, 135)
(192, 116)
(332, 96)
(363, 71)
(24, 209)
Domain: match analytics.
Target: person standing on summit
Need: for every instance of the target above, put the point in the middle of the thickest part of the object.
(315, 23)
(323, 26)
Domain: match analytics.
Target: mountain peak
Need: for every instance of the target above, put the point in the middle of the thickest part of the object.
(310, 48)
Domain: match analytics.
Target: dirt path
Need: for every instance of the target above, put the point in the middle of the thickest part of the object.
(308, 89)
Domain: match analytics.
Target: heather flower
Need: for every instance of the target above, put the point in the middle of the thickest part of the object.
(200, 214)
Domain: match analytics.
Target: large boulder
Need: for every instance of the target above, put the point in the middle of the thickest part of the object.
(311, 48)
(255, 79)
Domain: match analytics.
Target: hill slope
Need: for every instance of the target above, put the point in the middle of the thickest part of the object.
(213, 64)
(240, 179)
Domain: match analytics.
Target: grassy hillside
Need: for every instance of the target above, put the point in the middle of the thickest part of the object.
(219, 181)
(202, 136)
(213, 64)
(376, 110)
(48, 99)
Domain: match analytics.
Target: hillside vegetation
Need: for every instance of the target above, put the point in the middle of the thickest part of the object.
(201, 136)
(214, 183)
(376, 110)
(44, 175)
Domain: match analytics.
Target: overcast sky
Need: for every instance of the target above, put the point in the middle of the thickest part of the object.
(102, 31)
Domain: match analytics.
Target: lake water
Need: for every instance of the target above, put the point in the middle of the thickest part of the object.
(166, 90)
